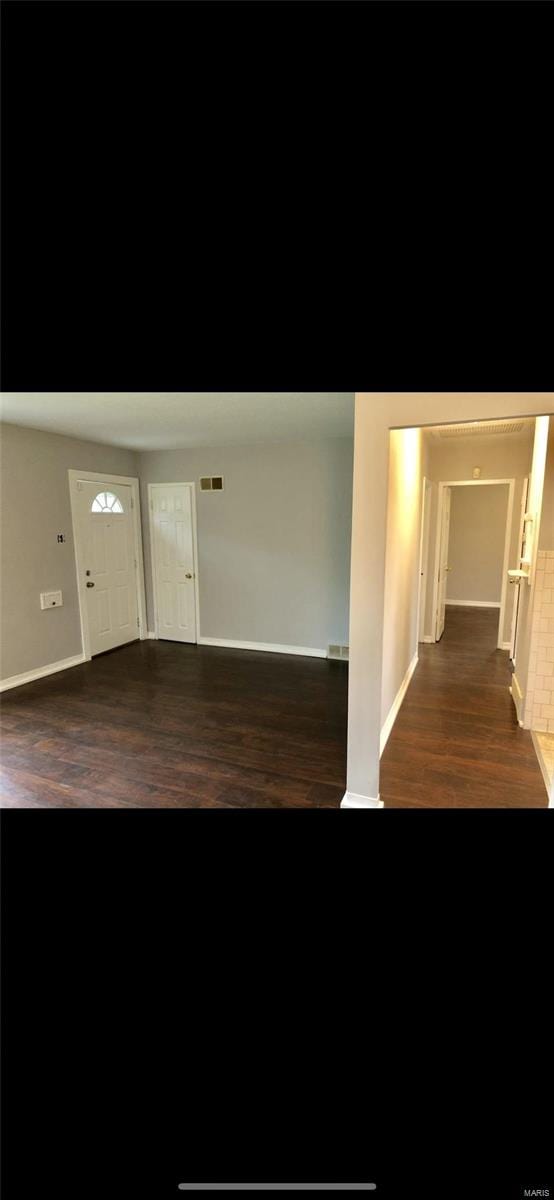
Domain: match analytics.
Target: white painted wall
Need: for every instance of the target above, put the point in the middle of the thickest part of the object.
(274, 546)
(35, 508)
(400, 632)
(476, 548)
(546, 534)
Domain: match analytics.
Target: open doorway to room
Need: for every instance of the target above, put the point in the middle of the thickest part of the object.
(472, 555)
(461, 555)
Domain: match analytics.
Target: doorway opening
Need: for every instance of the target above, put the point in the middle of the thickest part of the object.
(472, 550)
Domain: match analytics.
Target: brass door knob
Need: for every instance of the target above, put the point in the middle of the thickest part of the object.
(188, 575)
(90, 583)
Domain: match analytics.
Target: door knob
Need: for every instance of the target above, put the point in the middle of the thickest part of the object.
(90, 583)
(188, 575)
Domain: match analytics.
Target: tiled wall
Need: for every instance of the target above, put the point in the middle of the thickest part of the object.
(539, 701)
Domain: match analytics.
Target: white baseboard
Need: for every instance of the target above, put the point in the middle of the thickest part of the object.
(549, 783)
(517, 697)
(428, 637)
(474, 603)
(152, 635)
(395, 706)
(268, 647)
(351, 800)
(28, 676)
(504, 645)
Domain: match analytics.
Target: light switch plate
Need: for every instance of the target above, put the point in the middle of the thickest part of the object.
(51, 600)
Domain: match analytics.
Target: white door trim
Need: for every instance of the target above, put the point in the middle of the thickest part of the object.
(501, 644)
(133, 483)
(192, 486)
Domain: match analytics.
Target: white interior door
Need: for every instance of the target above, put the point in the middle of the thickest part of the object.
(173, 561)
(443, 561)
(107, 558)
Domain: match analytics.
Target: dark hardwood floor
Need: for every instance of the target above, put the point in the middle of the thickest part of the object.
(159, 724)
(456, 742)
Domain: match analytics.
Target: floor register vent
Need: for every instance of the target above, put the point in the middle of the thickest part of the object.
(338, 652)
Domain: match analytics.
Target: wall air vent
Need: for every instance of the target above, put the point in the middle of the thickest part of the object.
(211, 483)
(478, 428)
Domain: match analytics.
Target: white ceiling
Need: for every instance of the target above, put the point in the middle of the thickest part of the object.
(177, 420)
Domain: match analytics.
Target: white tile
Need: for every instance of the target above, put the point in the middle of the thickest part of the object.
(545, 668)
(547, 710)
(543, 697)
(540, 723)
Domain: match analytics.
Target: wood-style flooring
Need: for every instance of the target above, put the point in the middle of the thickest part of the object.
(456, 742)
(160, 724)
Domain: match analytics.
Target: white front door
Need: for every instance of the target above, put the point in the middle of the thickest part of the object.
(108, 563)
(443, 561)
(171, 514)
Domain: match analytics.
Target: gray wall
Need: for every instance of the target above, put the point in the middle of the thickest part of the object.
(476, 548)
(35, 508)
(274, 546)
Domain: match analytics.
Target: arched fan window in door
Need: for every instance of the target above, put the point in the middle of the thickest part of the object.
(106, 502)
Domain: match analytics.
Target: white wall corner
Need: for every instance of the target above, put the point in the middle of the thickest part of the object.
(351, 800)
(152, 635)
(396, 704)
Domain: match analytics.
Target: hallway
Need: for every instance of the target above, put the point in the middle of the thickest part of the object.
(456, 742)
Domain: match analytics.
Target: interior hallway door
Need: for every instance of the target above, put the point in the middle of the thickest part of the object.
(174, 569)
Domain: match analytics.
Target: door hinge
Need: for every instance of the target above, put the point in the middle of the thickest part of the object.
(138, 622)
